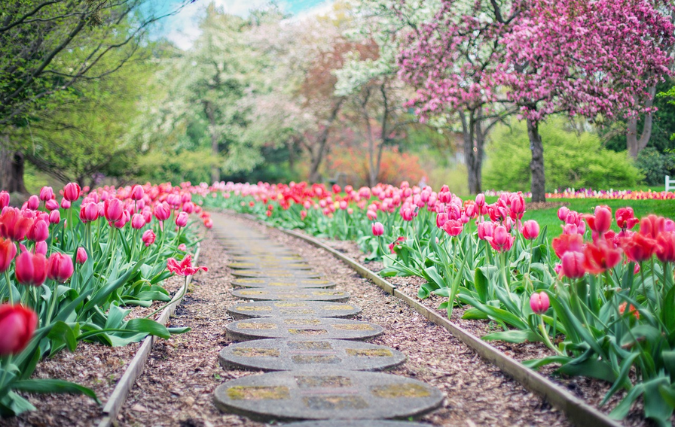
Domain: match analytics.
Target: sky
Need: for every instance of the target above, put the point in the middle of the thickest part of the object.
(182, 28)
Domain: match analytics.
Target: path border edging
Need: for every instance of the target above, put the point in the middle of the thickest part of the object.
(135, 369)
(579, 412)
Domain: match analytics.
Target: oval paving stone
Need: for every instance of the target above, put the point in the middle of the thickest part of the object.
(290, 355)
(356, 423)
(339, 394)
(252, 258)
(238, 265)
(269, 294)
(282, 284)
(276, 273)
(283, 309)
(301, 328)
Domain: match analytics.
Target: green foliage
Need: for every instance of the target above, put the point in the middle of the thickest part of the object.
(655, 165)
(179, 166)
(571, 159)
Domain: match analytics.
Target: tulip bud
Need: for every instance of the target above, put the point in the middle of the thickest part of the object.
(137, 221)
(4, 199)
(453, 227)
(41, 248)
(39, 232)
(18, 324)
(33, 202)
(480, 200)
(378, 229)
(7, 254)
(59, 267)
(208, 223)
(530, 229)
(182, 219)
(113, 209)
(65, 204)
(572, 265)
(72, 192)
(81, 256)
(162, 211)
(149, 237)
(52, 205)
(46, 193)
(120, 223)
(563, 212)
(137, 192)
(30, 269)
(182, 247)
(188, 207)
(539, 302)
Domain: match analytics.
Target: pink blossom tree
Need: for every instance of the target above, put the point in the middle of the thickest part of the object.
(587, 58)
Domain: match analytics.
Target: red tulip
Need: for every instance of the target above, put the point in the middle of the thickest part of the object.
(30, 269)
(625, 218)
(638, 247)
(453, 227)
(14, 224)
(72, 192)
(39, 232)
(336, 189)
(4, 199)
(113, 209)
(530, 229)
(665, 247)
(137, 221)
(182, 219)
(184, 268)
(7, 254)
(137, 192)
(567, 242)
(539, 302)
(81, 256)
(572, 265)
(46, 194)
(59, 267)
(149, 237)
(652, 225)
(631, 309)
(501, 239)
(208, 223)
(17, 324)
(600, 258)
(601, 221)
(378, 229)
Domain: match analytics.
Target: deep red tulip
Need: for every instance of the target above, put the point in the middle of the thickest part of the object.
(182, 219)
(7, 254)
(638, 247)
(600, 258)
(378, 229)
(72, 192)
(148, 237)
(137, 221)
(567, 242)
(81, 256)
(17, 324)
(625, 218)
(539, 302)
(46, 194)
(573, 265)
(665, 247)
(30, 269)
(530, 229)
(59, 267)
(4, 199)
(14, 224)
(137, 192)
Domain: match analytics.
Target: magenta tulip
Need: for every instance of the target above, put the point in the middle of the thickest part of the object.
(182, 219)
(39, 232)
(81, 256)
(137, 221)
(148, 237)
(378, 229)
(30, 269)
(72, 192)
(52, 205)
(530, 229)
(59, 267)
(4, 199)
(162, 211)
(573, 265)
(137, 192)
(17, 324)
(539, 302)
(7, 254)
(46, 194)
(41, 248)
(113, 209)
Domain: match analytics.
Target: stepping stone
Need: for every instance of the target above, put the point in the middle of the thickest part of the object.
(302, 328)
(277, 273)
(338, 394)
(281, 309)
(282, 284)
(356, 423)
(252, 258)
(267, 294)
(238, 265)
(291, 355)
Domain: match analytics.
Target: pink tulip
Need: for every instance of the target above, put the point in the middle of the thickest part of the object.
(572, 265)
(485, 229)
(113, 209)
(18, 324)
(182, 219)
(52, 205)
(39, 232)
(407, 214)
(137, 192)
(4, 199)
(120, 223)
(563, 212)
(539, 302)
(46, 193)
(530, 229)
(89, 212)
(188, 207)
(33, 202)
(480, 200)
(501, 239)
(378, 229)
(72, 192)
(30, 269)
(81, 256)
(162, 211)
(182, 247)
(148, 237)
(372, 215)
(7, 254)
(453, 228)
(41, 248)
(59, 267)
(441, 219)
(137, 221)
(65, 204)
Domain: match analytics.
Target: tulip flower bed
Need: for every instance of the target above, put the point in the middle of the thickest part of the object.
(72, 271)
(601, 300)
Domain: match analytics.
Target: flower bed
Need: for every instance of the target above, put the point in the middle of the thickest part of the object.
(69, 277)
(602, 301)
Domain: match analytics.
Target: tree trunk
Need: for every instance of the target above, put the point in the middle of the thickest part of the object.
(538, 187)
(473, 149)
(318, 153)
(211, 114)
(634, 144)
(11, 171)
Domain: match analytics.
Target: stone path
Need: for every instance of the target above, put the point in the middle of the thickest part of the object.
(321, 368)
